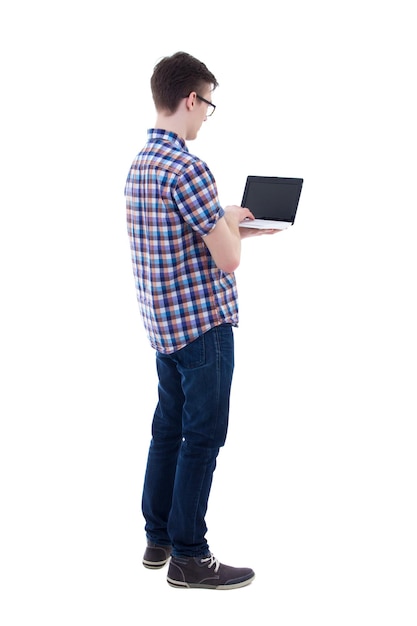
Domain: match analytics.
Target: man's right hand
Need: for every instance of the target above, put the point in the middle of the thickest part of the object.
(235, 214)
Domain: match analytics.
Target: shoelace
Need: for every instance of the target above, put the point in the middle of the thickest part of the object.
(213, 561)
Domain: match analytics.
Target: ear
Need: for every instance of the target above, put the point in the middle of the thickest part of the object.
(190, 101)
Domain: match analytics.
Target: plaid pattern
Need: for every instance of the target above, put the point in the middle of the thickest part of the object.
(171, 204)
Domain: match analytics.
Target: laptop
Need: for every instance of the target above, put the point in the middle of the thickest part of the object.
(272, 200)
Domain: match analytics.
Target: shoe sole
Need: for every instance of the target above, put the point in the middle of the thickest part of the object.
(154, 564)
(183, 585)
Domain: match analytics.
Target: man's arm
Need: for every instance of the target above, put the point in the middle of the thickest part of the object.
(224, 241)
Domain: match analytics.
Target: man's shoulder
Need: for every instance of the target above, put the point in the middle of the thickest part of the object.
(177, 161)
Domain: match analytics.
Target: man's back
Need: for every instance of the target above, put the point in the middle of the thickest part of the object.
(172, 204)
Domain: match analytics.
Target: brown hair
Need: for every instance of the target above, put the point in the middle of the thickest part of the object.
(175, 77)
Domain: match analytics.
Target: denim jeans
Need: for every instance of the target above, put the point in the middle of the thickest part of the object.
(189, 427)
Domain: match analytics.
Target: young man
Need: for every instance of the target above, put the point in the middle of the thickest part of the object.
(185, 248)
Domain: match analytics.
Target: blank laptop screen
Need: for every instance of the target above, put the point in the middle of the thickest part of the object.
(272, 200)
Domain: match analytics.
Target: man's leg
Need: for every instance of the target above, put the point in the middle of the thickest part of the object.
(163, 452)
(206, 369)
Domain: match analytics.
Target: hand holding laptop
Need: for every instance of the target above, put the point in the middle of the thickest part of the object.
(234, 216)
(247, 231)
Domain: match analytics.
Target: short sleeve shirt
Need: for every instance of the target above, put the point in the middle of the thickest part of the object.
(171, 204)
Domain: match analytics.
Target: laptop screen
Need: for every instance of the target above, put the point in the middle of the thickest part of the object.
(272, 197)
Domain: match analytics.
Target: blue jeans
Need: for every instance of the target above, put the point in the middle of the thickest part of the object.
(189, 427)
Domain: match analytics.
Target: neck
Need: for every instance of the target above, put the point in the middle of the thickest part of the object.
(171, 123)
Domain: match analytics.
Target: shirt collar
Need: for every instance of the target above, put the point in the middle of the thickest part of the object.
(166, 136)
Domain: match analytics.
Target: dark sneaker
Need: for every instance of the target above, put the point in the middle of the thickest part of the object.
(207, 573)
(156, 556)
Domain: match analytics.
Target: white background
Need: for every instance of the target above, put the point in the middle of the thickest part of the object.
(316, 486)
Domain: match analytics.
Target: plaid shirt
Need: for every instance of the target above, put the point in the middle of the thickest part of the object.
(172, 203)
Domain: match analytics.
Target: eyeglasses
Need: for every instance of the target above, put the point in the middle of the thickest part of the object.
(211, 107)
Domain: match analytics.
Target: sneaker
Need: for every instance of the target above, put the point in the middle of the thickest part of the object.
(156, 556)
(207, 573)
